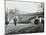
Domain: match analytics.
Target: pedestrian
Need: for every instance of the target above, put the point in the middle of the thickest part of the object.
(36, 20)
(6, 22)
(15, 21)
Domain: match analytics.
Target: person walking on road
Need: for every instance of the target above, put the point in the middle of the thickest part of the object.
(15, 21)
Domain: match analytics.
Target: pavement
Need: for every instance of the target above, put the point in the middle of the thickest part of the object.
(23, 28)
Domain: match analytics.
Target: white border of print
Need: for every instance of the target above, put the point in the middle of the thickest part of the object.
(2, 16)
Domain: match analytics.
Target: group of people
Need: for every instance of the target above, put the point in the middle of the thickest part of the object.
(39, 20)
(12, 21)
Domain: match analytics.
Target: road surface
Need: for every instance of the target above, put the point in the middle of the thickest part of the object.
(23, 28)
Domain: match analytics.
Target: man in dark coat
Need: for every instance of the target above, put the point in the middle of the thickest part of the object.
(15, 21)
(36, 21)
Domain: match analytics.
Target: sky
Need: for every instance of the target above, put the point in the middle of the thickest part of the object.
(24, 7)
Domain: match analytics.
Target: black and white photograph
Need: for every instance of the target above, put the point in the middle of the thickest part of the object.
(24, 17)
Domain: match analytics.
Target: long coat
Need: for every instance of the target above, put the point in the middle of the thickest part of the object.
(15, 21)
